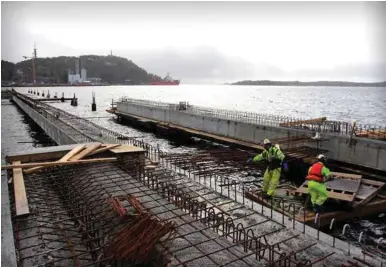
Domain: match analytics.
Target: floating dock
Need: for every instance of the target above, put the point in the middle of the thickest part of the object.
(77, 212)
(343, 142)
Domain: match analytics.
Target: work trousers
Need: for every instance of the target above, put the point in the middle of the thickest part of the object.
(270, 181)
(318, 192)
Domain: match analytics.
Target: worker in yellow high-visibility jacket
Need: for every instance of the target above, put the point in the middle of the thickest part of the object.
(274, 157)
(318, 175)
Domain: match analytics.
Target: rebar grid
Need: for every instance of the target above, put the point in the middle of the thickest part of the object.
(231, 191)
(183, 193)
(94, 219)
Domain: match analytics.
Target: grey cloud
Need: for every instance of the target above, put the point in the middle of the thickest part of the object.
(202, 64)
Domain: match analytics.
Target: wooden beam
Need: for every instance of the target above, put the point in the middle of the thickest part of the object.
(64, 158)
(72, 153)
(103, 149)
(85, 152)
(57, 163)
(21, 201)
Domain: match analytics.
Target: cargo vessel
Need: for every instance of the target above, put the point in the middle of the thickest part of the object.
(165, 81)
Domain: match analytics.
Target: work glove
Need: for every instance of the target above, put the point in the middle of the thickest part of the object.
(250, 160)
(285, 167)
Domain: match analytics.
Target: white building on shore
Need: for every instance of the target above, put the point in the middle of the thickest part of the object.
(77, 76)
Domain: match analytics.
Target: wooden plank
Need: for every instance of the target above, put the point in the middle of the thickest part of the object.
(57, 163)
(40, 154)
(85, 152)
(372, 182)
(64, 158)
(335, 195)
(126, 149)
(72, 153)
(21, 201)
(346, 175)
(103, 149)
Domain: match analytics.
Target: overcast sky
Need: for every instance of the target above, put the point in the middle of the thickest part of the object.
(209, 42)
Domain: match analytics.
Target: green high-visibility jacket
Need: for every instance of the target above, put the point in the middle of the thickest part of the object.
(270, 154)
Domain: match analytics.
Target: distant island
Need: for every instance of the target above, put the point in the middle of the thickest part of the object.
(104, 70)
(317, 83)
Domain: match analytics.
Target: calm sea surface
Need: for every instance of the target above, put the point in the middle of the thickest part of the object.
(365, 105)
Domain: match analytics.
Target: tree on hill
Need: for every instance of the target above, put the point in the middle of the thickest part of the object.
(7, 70)
(111, 69)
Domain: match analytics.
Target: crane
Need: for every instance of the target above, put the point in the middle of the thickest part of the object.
(34, 56)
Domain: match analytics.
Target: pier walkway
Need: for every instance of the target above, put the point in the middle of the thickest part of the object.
(361, 145)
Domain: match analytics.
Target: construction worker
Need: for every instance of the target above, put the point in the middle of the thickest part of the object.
(318, 174)
(274, 157)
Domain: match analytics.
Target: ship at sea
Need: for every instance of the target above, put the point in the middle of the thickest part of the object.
(168, 80)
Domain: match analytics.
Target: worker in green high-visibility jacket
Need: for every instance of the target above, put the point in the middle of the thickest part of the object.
(318, 175)
(274, 157)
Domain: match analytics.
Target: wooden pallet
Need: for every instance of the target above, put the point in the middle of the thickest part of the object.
(340, 193)
(368, 190)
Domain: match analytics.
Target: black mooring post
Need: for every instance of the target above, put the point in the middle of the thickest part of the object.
(62, 99)
(48, 94)
(56, 95)
(93, 105)
(43, 93)
(74, 101)
(38, 93)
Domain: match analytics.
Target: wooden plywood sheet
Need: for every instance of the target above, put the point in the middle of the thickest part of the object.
(344, 185)
(365, 191)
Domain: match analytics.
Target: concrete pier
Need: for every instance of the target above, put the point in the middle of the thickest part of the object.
(251, 127)
(278, 239)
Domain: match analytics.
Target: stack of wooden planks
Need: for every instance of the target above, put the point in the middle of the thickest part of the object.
(76, 156)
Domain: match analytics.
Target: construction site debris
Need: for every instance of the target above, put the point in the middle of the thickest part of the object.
(141, 235)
